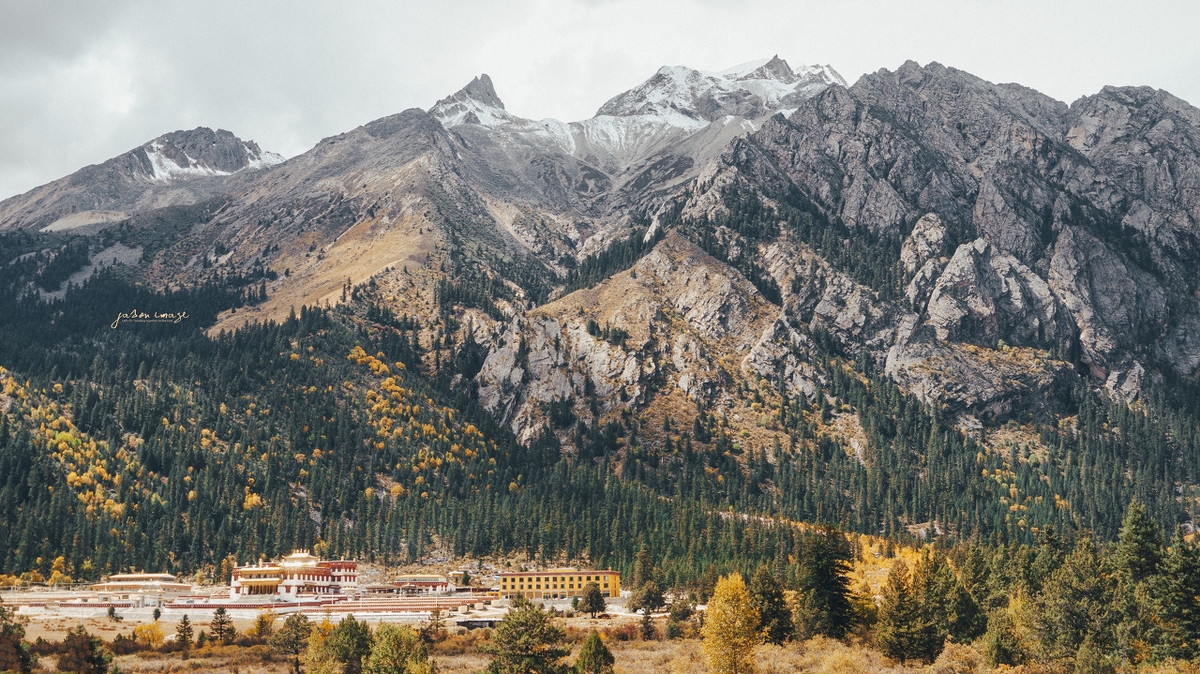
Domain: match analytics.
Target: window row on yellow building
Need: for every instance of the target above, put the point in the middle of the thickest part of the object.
(558, 583)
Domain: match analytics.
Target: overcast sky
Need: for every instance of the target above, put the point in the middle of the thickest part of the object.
(85, 80)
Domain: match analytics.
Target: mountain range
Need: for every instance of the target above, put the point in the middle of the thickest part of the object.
(707, 237)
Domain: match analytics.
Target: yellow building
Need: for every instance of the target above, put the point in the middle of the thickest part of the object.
(558, 583)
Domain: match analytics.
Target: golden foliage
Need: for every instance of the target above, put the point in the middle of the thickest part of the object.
(730, 629)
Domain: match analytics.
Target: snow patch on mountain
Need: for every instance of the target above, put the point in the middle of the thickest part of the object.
(476, 103)
(164, 168)
(677, 102)
(681, 95)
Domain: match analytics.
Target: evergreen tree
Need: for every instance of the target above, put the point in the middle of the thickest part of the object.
(221, 627)
(526, 641)
(824, 582)
(1001, 646)
(183, 633)
(592, 601)
(648, 598)
(1078, 601)
(350, 643)
(766, 596)
(905, 632)
(681, 608)
(292, 638)
(264, 625)
(648, 631)
(1177, 600)
(641, 568)
(594, 656)
(434, 630)
(1139, 546)
(730, 630)
(396, 649)
(83, 653)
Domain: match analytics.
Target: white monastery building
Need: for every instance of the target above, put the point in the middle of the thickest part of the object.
(297, 574)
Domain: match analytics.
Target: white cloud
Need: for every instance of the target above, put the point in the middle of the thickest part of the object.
(82, 81)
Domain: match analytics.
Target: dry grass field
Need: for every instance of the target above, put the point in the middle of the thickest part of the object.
(459, 654)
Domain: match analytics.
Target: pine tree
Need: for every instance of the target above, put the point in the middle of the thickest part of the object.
(824, 582)
(592, 601)
(594, 656)
(1078, 601)
(730, 630)
(184, 632)
(221, 626)
(292, 638)
(648, 598)
(766, 595)
(526, 641)
(1001, 646)
(641, 567)
(434, 630)
(395, 649)
(350, 642)
(264, 625)
(1177, 600)
(905, 632)
(648, 631)
(1139, 546)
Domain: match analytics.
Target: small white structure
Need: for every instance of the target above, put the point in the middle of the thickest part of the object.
(140, 589)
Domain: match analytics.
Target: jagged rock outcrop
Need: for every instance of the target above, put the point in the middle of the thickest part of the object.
(679, 323)
(985, 295)
(1018, 219)
(924, 243)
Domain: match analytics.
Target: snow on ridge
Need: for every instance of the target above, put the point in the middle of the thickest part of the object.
(263, 160)
(678, 92)
(165, 169)
(675, 103)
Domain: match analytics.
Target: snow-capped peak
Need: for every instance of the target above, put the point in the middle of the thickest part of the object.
(686, 97)
(476, 103)
(201, 152)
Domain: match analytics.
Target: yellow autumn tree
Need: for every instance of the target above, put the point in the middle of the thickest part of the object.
(149, 635)
(730, 628)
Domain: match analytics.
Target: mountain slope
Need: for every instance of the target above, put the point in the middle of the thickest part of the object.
(1033, 234)
(178, 168)
(923, 303)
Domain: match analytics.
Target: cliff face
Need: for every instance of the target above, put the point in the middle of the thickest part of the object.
(1021, 220)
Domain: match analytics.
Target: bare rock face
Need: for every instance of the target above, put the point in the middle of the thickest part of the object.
(1074, 232)
(1115, 304)
(670, 325)
(987, 383)
(983, 296)
(924, 243)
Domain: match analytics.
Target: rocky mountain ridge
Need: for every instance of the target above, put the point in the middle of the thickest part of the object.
(985, 246)
(177, 168)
